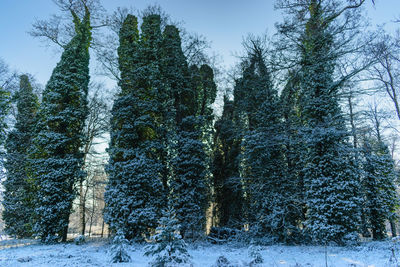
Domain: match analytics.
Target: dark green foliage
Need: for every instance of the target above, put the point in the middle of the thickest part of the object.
(268, 192)
(331, 175)
(19, 187)
(157, 104)
(176, 74)
(191, 98)
(227, 185)
(379, 190)
(188, 185)
(156, 150)
(294, 151)
(57, 157)
(207, 90)
(135, 191)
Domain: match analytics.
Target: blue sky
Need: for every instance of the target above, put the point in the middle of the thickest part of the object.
(223, 22)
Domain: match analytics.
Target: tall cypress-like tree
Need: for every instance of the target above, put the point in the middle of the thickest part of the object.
(188, 185)
(122, 166)
(380, 194)
(206, 92)
(331, 175)
(315, 36)
(188, 189)
(19, 188)
(268, 190)
(135, 192)
(57, 157)
(227, 187)
(294, 151)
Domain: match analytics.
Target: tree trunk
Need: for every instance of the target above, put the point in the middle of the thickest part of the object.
(92, 215)
(364, 228)
(65, 233)
(82, 200)
(90, 227)
(102, 229)
(393, 228)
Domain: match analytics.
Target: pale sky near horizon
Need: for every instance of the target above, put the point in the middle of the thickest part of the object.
(223, 22)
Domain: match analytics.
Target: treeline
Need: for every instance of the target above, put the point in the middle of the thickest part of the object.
(281, 164)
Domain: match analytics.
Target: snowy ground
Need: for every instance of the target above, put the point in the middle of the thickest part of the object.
(95, 253)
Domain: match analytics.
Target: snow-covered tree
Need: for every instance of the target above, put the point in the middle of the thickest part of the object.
(188, 191)
(135, 191)
(294, 151)
(255, 255)
(56, 152)
(19, 188)
(168, 247)
(119, 249)
(228, 192)
(315, 36)
(188, 185)
(268, 191)
(379, 188)
(222, 261)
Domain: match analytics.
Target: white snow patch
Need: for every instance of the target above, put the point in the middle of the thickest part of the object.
(95, 253)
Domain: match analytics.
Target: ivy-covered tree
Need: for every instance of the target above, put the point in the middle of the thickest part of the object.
(204, 83)
(294, 153)
(227, 187)
(188, 186)
(19, 188)
(381, 199)
(188, 189)
(56, 153)
(135, 192)
(268, 191)
(330, 173)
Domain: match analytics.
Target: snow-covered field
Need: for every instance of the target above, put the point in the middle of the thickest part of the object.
(95, 253)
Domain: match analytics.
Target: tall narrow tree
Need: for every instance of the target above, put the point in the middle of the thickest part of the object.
(294, 151)
(381, 198)
(136, 189)
(19, 188)
(57, 157)
(378, 180)
(227, 187)
(268, 191)
(188, 190)
(330, 172)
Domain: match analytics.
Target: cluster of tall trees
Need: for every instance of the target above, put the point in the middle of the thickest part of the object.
(159, 123)
(283, 164)
(280, 162)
